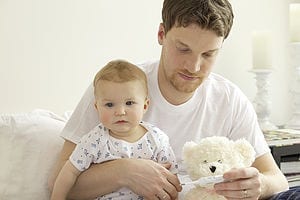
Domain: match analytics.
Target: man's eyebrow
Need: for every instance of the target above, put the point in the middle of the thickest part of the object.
(213, 50)
(181, 43)
(185, 45)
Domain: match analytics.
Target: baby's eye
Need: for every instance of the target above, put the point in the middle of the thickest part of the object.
(109, 105)
(129, 103)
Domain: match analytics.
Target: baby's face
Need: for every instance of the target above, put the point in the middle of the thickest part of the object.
(121, 106)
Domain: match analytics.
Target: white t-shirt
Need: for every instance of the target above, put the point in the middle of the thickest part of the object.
(217, 108)
(98, 146)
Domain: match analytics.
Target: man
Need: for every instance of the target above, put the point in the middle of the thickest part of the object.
(188, 102)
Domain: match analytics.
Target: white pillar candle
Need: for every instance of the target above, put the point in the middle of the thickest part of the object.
(261, 50)
(294, 22)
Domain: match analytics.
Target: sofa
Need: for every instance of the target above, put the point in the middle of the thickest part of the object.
(29, 146)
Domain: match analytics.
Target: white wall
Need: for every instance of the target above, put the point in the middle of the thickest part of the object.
(50, 49)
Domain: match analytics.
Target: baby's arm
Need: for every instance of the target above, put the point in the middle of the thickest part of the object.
(65, 181)
(166, 153)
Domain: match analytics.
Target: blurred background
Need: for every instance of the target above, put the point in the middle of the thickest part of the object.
(51, 49)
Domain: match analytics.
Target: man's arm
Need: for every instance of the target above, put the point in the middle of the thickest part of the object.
(273, 180)
(144, 177)
(260, 181)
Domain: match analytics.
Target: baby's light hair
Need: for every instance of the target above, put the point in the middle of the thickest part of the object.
(121, 71)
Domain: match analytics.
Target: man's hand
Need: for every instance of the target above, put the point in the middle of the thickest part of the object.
(150, 179)
(244, 183)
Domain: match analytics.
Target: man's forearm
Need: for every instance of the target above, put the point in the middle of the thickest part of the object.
(272, 184)
(272, 180)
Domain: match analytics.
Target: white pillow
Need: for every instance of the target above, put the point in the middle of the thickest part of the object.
(29, 147)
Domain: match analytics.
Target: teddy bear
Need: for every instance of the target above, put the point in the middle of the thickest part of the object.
(213, 156)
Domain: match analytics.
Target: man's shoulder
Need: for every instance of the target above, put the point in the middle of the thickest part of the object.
(218, 81)
(222, 86)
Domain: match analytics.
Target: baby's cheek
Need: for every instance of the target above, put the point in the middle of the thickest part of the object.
(105, 117)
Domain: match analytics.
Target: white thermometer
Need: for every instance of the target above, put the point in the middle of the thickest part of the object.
(206, 180)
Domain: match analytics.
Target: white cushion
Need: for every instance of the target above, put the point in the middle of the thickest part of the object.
(29, 147)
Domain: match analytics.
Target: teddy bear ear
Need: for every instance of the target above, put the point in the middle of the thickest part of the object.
(188, 147)
(246, 150)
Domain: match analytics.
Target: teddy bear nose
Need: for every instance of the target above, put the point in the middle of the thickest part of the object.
(212, 169)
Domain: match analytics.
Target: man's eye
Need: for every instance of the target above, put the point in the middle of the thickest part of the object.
(183, 50)
(209, 54)
(109, 104)
(129, 103)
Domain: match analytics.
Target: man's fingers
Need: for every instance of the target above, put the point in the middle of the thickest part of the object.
(172, 184)
(173, 179)
(166, 165)
(241, 173)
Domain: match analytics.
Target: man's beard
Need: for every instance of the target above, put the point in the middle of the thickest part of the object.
(185, 86)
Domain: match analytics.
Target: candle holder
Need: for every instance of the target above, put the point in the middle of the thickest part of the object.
(262, 102)
(294, 122)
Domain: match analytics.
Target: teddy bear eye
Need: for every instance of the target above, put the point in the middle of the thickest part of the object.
(219, 161)
(205, 161)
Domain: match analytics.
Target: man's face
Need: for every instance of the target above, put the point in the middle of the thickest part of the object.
(188, 54)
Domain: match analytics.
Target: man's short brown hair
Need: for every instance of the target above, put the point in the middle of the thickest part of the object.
(214, 15)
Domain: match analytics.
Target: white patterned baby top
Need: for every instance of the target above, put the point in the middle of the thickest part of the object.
(99, 146)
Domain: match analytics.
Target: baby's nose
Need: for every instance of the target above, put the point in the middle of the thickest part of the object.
(212, 169)
(120, 110)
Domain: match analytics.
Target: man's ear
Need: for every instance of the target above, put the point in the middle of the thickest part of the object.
(161, 33)
(146, 104)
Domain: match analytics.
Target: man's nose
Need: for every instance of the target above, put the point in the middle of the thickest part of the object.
(194, 65)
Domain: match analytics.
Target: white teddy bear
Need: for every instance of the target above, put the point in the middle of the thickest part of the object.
(213, 156)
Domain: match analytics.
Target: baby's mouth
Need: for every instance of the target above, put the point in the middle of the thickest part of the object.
(121, 122)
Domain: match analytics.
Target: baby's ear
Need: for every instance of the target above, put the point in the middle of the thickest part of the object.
(146, 104)
(188, 149)
(95, 105)
(246, 151)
